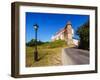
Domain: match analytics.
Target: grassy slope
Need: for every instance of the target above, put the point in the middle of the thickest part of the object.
(49, 54)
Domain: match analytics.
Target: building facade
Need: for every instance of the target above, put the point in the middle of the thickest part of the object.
(67, 34)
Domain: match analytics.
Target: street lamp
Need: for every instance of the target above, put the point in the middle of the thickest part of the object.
(35, 52)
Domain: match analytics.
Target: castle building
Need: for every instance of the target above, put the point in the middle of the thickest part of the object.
(67, 34)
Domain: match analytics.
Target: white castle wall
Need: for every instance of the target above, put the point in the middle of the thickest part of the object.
(75, 41)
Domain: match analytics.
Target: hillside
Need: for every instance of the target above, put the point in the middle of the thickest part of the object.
(49, 54)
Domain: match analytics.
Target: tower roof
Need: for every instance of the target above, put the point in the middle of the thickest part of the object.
(68, 23)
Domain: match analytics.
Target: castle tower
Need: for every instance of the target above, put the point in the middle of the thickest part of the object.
(69, 33)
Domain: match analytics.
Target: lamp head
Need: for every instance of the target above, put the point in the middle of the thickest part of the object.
(35, 26)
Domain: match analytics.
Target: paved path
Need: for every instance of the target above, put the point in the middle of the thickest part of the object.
(73, 56)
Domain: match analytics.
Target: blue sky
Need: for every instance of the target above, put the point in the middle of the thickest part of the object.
(50, 23)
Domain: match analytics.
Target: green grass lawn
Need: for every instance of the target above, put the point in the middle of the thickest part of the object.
(49, 54)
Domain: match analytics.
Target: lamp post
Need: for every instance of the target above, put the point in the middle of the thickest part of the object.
(35, 52)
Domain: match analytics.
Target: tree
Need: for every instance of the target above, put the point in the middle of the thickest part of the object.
(32, 43)
(83, 32)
